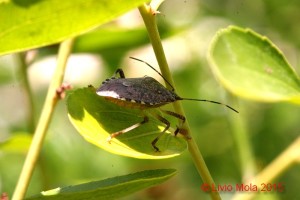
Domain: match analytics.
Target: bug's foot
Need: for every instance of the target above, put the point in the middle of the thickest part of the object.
(109, 139)
(156, 149)
(176, 131)
(183, 132)
(154, 146)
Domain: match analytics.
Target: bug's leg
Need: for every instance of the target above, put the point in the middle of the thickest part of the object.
(167, 123)
(178, 116)
(113, 135)
(178, 128)
(120, 72)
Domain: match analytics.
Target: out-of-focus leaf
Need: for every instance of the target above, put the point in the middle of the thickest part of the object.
(111, 39)
(35, 23)
(95, 119)
(111, 188)
(250, 66)
(17, 143)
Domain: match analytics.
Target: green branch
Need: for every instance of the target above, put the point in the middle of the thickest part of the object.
(148, 15)
(25, 84)
(44, 121)
(284, 161)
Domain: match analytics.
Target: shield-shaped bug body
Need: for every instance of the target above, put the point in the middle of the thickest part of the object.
(142, 93)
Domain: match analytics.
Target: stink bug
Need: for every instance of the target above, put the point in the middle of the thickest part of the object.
(143, 93)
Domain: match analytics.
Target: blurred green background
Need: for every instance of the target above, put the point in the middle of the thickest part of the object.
(186, 27)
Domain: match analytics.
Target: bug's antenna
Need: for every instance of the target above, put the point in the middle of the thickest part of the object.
(215, 102)
(180, 98)
(154, 70)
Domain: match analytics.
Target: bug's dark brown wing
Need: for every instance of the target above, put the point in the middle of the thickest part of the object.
(140, 90)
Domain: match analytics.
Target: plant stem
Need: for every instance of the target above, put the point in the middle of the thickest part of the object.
(28, 92)
(242, 142)
(285, 160)
(24, 81)
(148, 15)
(44, 121)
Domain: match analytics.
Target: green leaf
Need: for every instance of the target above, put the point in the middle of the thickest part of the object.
(111, 188)
(35, 23)
(96, 118)
(112, 38)
(17, 143)
(250, 66)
